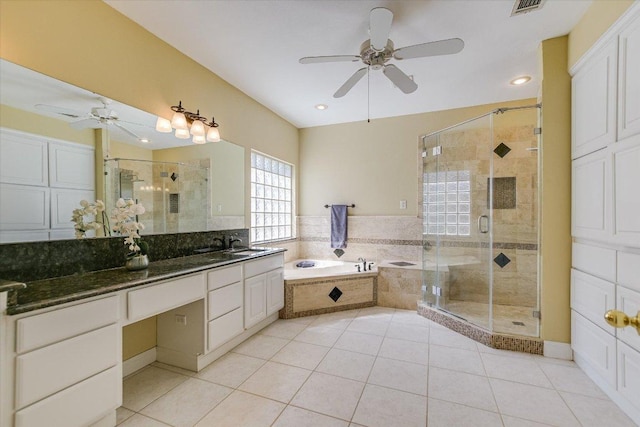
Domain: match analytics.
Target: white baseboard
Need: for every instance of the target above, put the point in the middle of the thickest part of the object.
(138, 362)
(558, 350)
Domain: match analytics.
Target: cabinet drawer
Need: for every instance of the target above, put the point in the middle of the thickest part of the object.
(76, 406)
(592, 297)
(597, 261)
(262, 265)
(48, 370)
(224, 328)
(629, 374)
(594, 346)
(223, 277)
(53, 326)
(629, 302)
(224, 300)
(629, 270)
(158, 298)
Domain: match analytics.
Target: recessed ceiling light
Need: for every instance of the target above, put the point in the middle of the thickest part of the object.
(145, 140)
(520, 80)
(321, 107)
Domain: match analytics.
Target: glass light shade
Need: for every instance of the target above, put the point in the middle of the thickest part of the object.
(163, 125)
(179, 121)
(182, 133)
(199, 139)
(213, 135)
(197, 128)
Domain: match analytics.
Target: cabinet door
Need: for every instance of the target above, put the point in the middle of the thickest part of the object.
(275, 291)
(23, 159)
(594, 103)
(255, 300)
(594, 346)
(71, 166)
(629, 81)
(23, 207)
(591, 209)
(629, 374)
(626, 194)
(63, 202)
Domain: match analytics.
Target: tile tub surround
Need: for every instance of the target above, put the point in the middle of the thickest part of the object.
(26, 262)
(369, 367)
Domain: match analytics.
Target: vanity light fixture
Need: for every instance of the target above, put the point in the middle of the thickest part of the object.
(187, 123)
(520, 80)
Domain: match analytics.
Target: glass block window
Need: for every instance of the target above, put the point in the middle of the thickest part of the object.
(447, 203)
(271, 199)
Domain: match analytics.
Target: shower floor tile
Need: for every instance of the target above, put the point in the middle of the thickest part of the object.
(507, 319)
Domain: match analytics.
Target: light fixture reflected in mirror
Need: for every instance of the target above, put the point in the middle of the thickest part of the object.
(183, 119)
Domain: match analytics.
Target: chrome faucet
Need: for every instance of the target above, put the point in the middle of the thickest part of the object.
(364, 263)
(221, 240)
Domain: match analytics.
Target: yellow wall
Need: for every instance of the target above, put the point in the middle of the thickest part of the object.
(128, 151)
(41, 125)
(555, 239)
(596, 20)
(374, 165)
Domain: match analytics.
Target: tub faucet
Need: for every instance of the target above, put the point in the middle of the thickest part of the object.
(364, 263)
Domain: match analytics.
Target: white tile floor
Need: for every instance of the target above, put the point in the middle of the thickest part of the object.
(369, 367)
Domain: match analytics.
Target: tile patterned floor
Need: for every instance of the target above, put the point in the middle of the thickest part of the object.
(371, 367)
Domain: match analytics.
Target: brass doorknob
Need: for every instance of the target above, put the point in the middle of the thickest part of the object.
(618, 319)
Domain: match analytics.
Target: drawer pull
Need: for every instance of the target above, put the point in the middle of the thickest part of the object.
(618, 319)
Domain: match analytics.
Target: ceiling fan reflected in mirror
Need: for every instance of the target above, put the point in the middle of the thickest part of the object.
(376, 52)
(98, 118)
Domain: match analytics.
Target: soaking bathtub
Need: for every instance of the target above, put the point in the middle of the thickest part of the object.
(326, 287)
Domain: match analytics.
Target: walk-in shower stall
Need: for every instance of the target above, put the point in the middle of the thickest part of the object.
(480, 221)
(176, 196)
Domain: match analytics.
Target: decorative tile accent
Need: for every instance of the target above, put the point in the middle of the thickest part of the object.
(443, 243)
(504, 192)
(502, 150)
(338, 252)
(518, 323)
(502, 260)
(494, 340)
(335, 294)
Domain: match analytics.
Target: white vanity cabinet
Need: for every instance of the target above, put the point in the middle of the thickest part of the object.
(67, 365)
(263, 289)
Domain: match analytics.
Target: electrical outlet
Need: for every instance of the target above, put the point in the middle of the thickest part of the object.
(181, 319)
(403, 204)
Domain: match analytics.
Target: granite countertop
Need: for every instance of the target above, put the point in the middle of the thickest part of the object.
(49, 292)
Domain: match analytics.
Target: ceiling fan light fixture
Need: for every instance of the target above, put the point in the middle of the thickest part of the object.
(213, 135)
(163, 125)
(182, 133)
(518, 81)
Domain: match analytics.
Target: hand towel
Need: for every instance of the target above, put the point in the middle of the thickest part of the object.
(339, 226)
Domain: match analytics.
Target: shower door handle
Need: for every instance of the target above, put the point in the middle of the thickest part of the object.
(483, 224)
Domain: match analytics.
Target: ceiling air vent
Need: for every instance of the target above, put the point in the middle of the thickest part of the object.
(524, 6)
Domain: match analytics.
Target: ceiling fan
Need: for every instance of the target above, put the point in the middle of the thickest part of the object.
(376, 52)
(96, 118)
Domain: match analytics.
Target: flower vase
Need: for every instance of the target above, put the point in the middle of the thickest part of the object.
(137, 262)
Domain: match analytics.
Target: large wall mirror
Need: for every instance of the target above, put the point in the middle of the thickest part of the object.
(60, 144)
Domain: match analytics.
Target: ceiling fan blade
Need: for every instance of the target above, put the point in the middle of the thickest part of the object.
(380, 20)
(351, 82)
(60, 110)
(333, 58)
(86, 124)
(400, 79)
(127, 130)
(441, 47)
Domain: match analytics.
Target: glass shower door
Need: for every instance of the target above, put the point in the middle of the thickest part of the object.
(457, 235)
